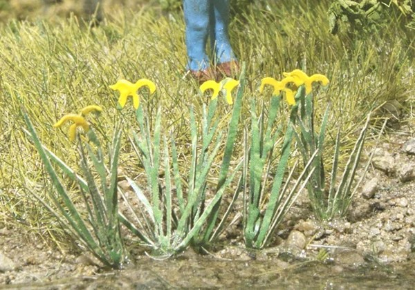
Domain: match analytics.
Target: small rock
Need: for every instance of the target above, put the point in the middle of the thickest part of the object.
(409, 147)
(399, 216)
(397, 238)
(384, 163)
(328, 231)
(409, 220)
(349, 258)
(374, 232)
(389, 226)
(296, 239)
(402, 202)
(236, 253)
(339, 226)
(378, 152)
(6, 264)
(379, 247)
(309, 227)
(407, 172)
(370, 188)
(337, 269)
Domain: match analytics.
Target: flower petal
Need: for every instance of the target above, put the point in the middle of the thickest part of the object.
(136, 101)
(123, 85)
(211, 85)
(320, 78)
(77, 119)
(229, 86)
(308, 88)
(72, 132)
(145, 82)
(299, 76)
(228, 97)
(289, 96)
(122, 100)
(88, 109)
(278, 86)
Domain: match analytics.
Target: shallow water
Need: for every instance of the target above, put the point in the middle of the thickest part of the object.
(197, 272)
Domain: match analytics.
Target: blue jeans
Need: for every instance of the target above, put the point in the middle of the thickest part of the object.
(207, 19)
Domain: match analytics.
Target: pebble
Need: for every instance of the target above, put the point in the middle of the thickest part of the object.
(402, 202)
(6, 264)
(296, 239)
(339, 226)
(374, 232)
(309, 227)
(349, 258)
(370, 188)
(379, 247)
(409, 147)
(407, 172)
(389, 226)
(384, 163)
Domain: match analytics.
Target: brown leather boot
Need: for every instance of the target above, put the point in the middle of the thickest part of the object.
(229, 69)
(202, 76)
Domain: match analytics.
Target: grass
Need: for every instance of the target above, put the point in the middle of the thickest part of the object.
(56, 66)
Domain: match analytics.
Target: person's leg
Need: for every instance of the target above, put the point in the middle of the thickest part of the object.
(225, 58)
(196, 15)
(222, 45)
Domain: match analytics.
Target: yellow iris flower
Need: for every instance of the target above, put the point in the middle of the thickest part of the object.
(226, 86)
(302, 78)
(127, 89)
(280, 86)
(78, 120)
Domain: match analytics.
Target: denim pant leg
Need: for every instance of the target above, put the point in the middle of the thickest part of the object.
(196, 15)
(220, 36)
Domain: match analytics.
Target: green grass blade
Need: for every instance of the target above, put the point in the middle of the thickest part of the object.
(177, 178)
(134, 230)
(198, 187)
(100, 212)
(334, 174)
(168, 193)
(229, 147)
(219, 229)
(354, 160)
(233, 130)
(205, 215)
(276, 186)
(193, 164)
(142, 198)
(158, 215)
